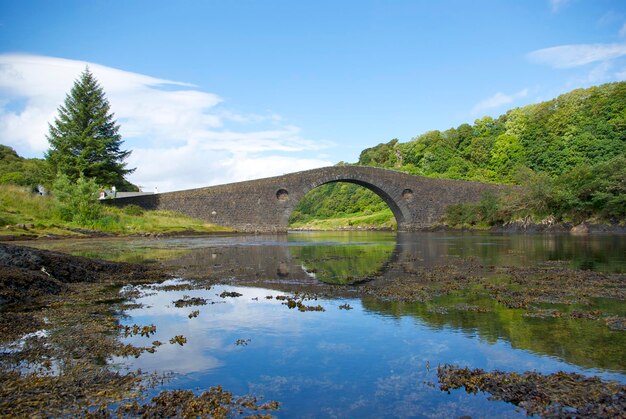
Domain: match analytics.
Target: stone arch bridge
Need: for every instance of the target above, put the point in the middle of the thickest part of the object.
(264, 205)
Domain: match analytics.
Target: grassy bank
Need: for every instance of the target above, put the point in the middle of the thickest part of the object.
(23, 213)
(380, 220)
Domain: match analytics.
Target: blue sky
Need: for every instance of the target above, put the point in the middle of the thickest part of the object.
(210, 92)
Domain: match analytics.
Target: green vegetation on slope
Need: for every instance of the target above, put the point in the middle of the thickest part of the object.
(585, 126)
(17, 170)
(563, 141)
(24, 213)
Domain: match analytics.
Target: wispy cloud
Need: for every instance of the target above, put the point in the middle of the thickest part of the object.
(622, 31)
(497, 100)
(568, 56)
(181, 136)
(557, 5)
(600, 73)
(610, 17)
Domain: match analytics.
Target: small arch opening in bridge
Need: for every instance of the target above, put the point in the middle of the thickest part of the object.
(282, 195)
(342, 205)
(407, 195)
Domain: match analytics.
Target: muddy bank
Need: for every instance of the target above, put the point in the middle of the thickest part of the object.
(524, 226)
(27, 274)
(26, 234)
(528, 226)
(511, 227)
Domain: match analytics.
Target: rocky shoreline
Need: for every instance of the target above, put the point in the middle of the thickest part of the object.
(27, 273)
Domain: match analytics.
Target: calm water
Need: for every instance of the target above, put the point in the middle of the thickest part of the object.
(377, 359)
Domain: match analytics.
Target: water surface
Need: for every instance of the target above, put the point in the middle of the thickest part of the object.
(361, 356)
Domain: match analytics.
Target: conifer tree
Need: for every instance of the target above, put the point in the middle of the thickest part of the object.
(84, 138)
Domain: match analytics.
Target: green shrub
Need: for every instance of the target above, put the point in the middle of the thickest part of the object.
(134, 210)
(106, 223)
(462, 214)
(6, 219)
(489, 209)
(78, 202)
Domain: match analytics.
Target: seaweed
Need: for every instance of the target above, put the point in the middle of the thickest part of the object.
(214, 403)
(187, 301)
(560, 394)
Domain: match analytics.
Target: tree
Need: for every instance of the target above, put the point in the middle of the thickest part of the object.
(84, 138)
(506, 154)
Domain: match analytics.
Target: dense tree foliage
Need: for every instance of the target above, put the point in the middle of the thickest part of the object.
(571, 145)
(20, 171)
(585, 126)
(84, 138)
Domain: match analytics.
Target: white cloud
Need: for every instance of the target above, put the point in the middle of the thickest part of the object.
(622, 31)
(192, 166)
(181, 136)
(498, 100)
(568, 56)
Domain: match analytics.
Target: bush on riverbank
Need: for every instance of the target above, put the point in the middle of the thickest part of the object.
(586, 192)
(23, 213)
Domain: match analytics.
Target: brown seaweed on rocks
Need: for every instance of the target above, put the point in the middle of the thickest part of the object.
(180, 339)
(231, 294)
(561, 394)
(214, 403)
(187, 301)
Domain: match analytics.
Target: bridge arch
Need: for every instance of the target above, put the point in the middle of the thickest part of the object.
(399, 208)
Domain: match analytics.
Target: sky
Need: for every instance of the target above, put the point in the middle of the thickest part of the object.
(211, 92)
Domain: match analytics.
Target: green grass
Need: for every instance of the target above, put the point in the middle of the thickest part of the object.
(380, 220)
(23, 213)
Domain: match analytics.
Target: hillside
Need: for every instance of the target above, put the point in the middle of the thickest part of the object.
(17, 170)
(580, 129)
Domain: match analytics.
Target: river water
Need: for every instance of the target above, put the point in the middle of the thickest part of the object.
(362, 356)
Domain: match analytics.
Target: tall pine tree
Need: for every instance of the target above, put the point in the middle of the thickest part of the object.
(84, 138)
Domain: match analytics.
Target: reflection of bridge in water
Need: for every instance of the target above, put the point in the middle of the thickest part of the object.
(289, 263)
(295, 258)
(334, 257)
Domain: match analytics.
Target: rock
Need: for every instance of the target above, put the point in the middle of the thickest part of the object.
(283, 269)
(27, 273)
(580, 230)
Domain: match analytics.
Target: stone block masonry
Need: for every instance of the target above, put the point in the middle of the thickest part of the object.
(264, 205)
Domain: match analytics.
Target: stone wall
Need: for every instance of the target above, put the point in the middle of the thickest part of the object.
(264, 205)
